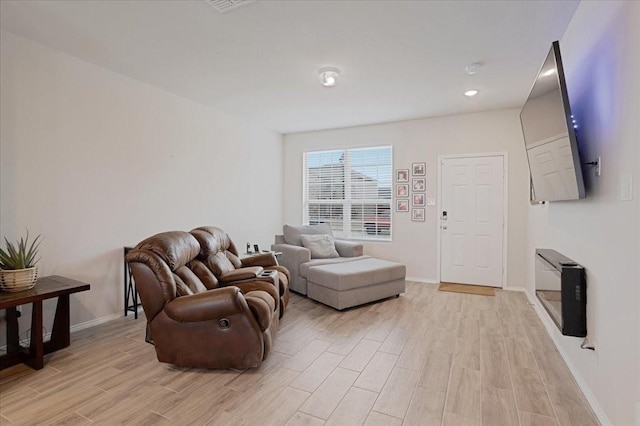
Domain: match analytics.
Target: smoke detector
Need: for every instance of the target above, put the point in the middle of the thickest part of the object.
(224, 6)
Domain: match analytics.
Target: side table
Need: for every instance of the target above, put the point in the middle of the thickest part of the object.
(131, 301)
(46, 288)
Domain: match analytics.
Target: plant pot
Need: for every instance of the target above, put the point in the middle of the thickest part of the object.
(18, 279)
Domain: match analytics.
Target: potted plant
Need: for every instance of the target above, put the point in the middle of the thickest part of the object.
(18, 270)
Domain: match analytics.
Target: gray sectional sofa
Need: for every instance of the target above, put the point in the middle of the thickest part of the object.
(335, 272)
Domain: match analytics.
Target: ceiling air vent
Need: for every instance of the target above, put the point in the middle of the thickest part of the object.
(223, 6)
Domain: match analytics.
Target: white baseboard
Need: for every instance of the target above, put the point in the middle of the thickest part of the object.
(555, 335)
(87, 324)
(95, 321)
(422, 280)
(521, 289)
(432, 281)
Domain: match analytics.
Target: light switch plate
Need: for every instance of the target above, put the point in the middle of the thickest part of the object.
(626, 188)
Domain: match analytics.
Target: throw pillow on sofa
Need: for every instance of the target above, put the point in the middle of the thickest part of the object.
(321, 246)
(292, 232)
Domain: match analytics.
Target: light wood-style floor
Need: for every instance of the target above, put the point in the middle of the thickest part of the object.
(425, 358)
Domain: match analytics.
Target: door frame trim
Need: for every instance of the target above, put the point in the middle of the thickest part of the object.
(505, 213)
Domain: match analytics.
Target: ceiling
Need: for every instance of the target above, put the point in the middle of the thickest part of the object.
(398, 60)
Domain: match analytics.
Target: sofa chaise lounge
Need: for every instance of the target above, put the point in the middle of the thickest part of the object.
(335, 272)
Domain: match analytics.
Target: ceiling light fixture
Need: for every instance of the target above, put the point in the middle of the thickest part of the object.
(329, 76)
(471, 93)
(472, 68)
(223, 6)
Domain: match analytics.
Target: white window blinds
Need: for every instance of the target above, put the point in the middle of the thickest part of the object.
(351, 190)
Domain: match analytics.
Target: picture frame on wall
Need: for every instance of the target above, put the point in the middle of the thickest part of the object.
(419, 184)
(402, 190)
(418, 200)
(419, 169)
(402, 175)
(402, 205)
(417, 215)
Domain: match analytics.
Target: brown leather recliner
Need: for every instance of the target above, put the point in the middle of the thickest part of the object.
(194, 321)
(220, 254)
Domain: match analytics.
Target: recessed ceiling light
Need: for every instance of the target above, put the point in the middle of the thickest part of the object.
(547, 73)
(471, 93)
(329, 76)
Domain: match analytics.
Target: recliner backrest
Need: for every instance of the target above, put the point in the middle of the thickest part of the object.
(178, 250)
(217, 250)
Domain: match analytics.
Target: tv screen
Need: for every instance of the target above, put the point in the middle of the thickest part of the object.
(550, 137)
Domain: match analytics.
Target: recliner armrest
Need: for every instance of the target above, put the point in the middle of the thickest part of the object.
(349, 248)
(210, 305)
(262, 259)
(241, 274)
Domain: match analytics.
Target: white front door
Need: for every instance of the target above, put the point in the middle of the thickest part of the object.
(472, 220)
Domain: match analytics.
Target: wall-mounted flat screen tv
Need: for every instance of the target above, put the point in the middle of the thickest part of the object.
(550, 136)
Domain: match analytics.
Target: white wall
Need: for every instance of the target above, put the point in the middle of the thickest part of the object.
(415, 243)
(94, 161)
(601, 55)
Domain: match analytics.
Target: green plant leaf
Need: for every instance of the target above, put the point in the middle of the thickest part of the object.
(20, 255)
(32, 252)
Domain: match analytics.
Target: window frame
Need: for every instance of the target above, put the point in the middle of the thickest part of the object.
(348, 202)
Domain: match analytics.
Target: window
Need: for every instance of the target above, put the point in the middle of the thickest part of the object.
(351, 190)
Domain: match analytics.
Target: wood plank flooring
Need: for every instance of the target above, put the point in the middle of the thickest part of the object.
(425, 358)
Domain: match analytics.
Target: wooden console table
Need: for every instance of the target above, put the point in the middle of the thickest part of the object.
(46, 288)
